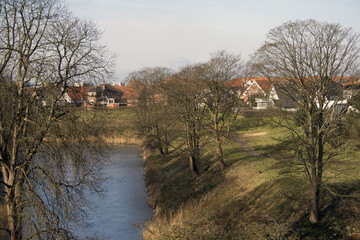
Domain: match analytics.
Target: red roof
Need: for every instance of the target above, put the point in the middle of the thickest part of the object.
(76, 93)
(129, 91)
(265, 84)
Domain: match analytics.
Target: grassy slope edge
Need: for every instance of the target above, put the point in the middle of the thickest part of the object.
(257, 197)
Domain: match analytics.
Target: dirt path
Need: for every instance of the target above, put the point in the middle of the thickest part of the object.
(245, 146)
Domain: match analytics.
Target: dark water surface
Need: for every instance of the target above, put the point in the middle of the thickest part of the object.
(124, 204)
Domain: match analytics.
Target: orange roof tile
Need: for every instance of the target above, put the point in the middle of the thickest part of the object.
(129, 91)
(76, 93)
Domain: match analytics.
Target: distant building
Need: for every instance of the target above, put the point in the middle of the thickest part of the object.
(104, 95)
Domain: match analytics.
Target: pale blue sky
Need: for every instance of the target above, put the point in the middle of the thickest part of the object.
(173, 33)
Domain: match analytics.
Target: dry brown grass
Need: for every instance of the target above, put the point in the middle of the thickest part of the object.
(127, 137)
(255, 134)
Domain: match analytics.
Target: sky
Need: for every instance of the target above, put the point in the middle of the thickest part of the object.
(175, 33)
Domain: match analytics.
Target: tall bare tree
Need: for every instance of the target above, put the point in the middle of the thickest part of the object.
(154, 120)
(45, 149)
(316, 59)
(184, 96)
(220, 96)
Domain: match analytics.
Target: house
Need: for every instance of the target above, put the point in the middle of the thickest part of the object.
(104, 95)
(282, 95)
(337, 95)
(254, 91)
(91, 100)
(74, 96)
(130, 93)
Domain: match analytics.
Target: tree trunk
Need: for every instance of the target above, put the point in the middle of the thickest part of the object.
(14, 223)
(219, 151)
(161, 150)
(317, 173)
(193, 166)
(315, 203)
(220, 154)
(166, 150)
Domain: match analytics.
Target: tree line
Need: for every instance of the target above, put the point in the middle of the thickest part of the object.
(189, 104)
(318, 65)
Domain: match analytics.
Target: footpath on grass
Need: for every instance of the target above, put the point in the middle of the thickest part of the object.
(246, 146)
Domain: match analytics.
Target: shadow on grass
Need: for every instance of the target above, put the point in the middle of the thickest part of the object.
(177, 183)
(283, 204)
(282, 149)
(339, 216)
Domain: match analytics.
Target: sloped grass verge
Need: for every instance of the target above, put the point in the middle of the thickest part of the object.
(262, 197)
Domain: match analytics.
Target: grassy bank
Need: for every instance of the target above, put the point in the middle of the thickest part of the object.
(116, 126)
(259, 196)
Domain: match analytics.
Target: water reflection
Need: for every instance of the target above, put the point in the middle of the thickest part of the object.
(125, 202)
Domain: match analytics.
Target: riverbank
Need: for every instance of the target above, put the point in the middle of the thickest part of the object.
(256, 197)
(129, 138)
(119, 127)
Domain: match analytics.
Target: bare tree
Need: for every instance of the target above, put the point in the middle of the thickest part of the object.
(220, 97)
(316, 59)
(183, 92)
(154, 120)
(45, 149)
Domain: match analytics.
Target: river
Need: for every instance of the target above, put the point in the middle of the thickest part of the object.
(124, 204)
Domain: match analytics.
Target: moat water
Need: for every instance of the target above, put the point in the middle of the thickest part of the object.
(123, 208)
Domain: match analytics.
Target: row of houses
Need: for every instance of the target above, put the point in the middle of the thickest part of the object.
(257, 93)
(110, 96)
(262, 93)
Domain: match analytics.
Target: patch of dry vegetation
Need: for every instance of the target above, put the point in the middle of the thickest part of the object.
(117, 125)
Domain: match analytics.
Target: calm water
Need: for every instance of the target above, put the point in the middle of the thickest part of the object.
(125, 201)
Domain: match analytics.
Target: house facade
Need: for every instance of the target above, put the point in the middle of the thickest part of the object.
(337, 97)
(130, 94)
(74, 96)
(104, 95)
(254, 91)
(280, 96)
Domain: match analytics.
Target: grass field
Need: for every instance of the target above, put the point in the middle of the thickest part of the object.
(117, 126)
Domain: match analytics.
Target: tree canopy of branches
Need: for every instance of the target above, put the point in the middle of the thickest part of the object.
(184, 97)
(220, 97)
(45, 149)
(188, 103)
(154, 120)
(317, 59)
(352, 126)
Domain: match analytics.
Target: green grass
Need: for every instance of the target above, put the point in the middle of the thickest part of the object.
(116, 125)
